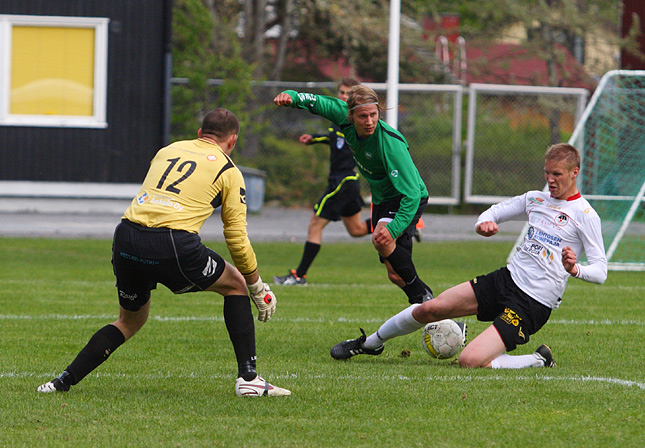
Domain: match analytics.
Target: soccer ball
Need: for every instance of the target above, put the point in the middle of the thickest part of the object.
(443, 339)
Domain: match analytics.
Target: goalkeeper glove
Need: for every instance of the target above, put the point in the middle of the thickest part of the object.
(263, 298)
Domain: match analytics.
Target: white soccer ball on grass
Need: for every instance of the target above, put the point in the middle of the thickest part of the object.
(443, 339)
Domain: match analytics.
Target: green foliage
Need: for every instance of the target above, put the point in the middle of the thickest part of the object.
(172, 384)
(203, 50)
(359, 34)
(193, 60)
(296, 174)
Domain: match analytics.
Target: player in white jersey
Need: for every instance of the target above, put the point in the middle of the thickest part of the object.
(519, 298)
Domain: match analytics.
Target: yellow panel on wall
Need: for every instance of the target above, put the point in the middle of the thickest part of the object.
(52, 71)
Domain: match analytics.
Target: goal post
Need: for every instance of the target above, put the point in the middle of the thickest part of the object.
(610, 136)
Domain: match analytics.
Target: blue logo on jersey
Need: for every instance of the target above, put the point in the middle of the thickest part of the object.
(340, 142)
(538, 235)
(143, 198)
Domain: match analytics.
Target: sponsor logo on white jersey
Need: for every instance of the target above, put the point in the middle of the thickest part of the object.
(561, 220)
(536, 234)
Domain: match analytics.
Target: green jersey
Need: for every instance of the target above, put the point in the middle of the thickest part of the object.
(383, 158)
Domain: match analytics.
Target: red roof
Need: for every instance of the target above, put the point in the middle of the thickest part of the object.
(513, 65)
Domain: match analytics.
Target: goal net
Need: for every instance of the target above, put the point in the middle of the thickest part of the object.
(611, 139)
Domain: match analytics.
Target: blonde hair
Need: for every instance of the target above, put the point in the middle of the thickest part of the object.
(564, 152)
(362, 95)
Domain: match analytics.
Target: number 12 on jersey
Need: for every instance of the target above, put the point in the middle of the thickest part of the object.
(189, 166)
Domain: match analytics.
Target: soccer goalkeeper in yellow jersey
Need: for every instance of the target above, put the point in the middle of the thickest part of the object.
(157, 242)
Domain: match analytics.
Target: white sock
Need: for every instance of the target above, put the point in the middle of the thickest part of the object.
(505, 361)
(397, 325)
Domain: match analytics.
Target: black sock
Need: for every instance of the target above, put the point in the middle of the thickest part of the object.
(308, 255)
(239, 323)
(97, 350)
(401, 261)
(368, 224)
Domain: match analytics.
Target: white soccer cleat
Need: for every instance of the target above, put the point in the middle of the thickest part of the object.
(47, 388)
(60, 384)
(258, 387)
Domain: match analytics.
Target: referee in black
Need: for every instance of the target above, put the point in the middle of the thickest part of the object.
(340, 200)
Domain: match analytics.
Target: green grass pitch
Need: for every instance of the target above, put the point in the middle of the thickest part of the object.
(173, 383)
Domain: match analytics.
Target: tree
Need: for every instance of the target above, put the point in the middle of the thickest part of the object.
(358, 33)
(205, 47)
(552, 27)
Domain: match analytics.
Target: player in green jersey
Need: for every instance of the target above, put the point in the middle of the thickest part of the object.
(382, 156)
(341, 200)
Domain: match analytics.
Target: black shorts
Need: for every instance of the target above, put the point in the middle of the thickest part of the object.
(388, 209)
(144, 256)
(341, 198)
(514, 313)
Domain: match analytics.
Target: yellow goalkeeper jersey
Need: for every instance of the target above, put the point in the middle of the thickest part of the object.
(186, 181)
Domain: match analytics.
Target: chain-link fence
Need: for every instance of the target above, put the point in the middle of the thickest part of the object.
(508, 129)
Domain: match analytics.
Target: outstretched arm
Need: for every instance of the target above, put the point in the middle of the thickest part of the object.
(333, 109)
(487, 222)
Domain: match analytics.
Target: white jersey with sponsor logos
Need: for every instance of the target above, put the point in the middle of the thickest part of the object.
(537, 267)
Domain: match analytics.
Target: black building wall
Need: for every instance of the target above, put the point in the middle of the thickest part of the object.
(137, 41)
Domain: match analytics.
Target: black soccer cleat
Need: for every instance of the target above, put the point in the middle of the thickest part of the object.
(543, 353)
(60, 384)
(353, 347)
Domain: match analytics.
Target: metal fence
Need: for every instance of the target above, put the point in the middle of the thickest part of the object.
(498, 152)
(509, 129)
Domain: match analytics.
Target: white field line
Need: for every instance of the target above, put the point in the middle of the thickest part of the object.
(604, 289)
(308, 377)
(350, 320)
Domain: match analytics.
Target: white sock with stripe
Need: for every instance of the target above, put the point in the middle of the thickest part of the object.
(397, 325)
